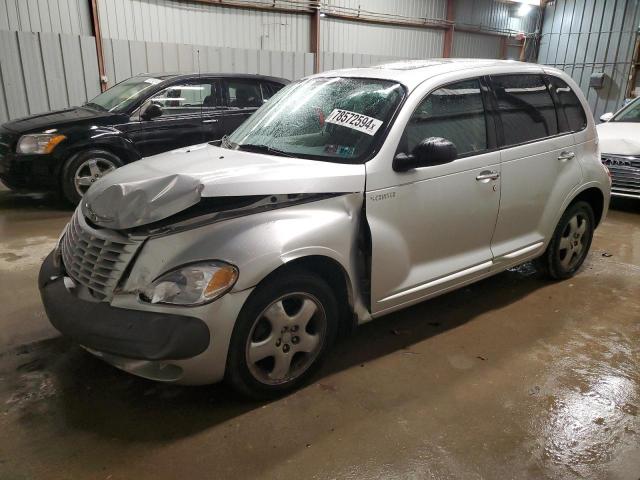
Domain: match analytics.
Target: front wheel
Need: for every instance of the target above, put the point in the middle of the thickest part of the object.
(570, 242)
(85, 168)
(282, 334)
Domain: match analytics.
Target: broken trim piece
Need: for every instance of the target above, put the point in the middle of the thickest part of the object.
(197, 216)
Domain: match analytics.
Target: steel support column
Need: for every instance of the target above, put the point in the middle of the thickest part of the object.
(447, 47)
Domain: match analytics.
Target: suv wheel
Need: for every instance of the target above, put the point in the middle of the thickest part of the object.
(282, 334)
(83, 169)
(570, 242)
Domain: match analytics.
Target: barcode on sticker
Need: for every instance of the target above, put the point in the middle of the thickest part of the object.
(356, 121)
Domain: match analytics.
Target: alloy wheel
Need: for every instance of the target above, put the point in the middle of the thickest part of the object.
(286, 338)
(90, 171)
(572, 246)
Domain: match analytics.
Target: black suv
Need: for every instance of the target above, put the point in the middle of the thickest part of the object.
(68, 150)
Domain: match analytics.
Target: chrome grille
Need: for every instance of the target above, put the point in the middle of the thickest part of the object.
(625, 173)
(95, 258)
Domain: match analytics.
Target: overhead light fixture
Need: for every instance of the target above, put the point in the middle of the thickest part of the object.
(524, 10)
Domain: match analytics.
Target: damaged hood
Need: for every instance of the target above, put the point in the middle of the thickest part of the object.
(157, 187)
(619, 138)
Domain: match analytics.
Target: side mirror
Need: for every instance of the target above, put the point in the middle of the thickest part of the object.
(430, 151)
(151, 111)
(605, 117)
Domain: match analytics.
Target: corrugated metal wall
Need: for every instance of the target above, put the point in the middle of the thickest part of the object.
(193, 23)
(124, 58)
(433, 9)
(337, 35)
(45, 71)
(334, 61)
(494, 15)
(48, 61)
(56, 16)
(587, 36)
(475, 45)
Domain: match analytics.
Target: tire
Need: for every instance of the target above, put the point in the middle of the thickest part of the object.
(86, 167)
(570, 243)
(285, 352)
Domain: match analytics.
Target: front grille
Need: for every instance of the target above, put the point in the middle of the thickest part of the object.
(625, 173)
(95, 258)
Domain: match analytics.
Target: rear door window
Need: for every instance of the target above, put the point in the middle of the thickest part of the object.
(185, 98)
(243, 93)
(454, 112)
(568, 104)
(525, 107)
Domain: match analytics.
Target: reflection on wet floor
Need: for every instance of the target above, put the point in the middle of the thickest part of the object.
(513, 377)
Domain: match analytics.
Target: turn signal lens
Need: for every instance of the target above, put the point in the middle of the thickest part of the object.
(192, 285)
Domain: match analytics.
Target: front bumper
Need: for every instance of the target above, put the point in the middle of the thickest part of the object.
(625, 174)
(149, 341)
(132, 334)
(30, 172)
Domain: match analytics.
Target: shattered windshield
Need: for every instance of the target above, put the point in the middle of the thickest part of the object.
(333, 119)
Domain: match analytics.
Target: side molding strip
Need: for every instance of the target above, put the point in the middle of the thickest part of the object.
(522, 251)
(439, 281)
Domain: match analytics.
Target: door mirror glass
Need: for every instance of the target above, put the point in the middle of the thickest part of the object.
(430, 151)
(151, 111)
(605, 117)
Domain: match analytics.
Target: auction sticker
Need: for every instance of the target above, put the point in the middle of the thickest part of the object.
(356, 121)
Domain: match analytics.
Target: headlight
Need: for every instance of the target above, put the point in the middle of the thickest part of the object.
(194, 284)
(39, 143)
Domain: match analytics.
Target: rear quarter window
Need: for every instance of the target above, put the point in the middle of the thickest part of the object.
(568, 105)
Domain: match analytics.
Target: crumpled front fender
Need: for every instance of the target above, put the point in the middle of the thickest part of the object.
(260, 243)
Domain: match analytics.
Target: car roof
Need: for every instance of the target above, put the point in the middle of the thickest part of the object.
(194, 75)
(411, 73)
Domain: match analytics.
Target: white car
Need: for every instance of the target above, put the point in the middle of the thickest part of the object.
(350, 195)
(620, 147)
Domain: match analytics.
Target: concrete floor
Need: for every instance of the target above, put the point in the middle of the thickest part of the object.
(514, 377)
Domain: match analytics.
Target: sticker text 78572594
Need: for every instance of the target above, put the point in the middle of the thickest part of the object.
(356, 121)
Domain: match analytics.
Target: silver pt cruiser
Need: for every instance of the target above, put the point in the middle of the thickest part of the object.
(349, 195)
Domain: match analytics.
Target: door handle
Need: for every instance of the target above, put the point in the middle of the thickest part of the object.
(566, 155)
(211, 120)
(487, 175)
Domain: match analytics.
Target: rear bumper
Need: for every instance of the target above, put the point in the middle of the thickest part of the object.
(118, 332)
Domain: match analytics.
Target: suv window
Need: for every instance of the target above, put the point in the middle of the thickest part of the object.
(243, 93)
(569, 104)
(525, 107)
(454, 112)
(186, 98)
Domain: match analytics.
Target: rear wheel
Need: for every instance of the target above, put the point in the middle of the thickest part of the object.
(282, 334)
(85, 168)
(570, 242)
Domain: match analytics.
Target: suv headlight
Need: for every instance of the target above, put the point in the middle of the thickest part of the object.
(39, 143)
(191, 285)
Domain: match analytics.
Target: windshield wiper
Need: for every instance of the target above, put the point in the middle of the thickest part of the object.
(252, 147)
(225, 142)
